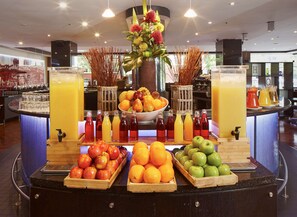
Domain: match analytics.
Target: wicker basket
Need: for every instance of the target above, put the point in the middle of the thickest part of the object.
(182, 98)
(107, 98)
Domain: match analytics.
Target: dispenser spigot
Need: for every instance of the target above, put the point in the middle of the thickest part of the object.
(236, 133)
(61, 135)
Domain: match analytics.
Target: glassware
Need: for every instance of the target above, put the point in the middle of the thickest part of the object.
(106, 128)
(160, 128)
(178, 128)
(116, 126)
(252, 98)
(188, 127)
(89, 128)
(204, 125)
(170, 125)
(273, 95)
(99, 125)
(196, 124)
(124, 128)
(133, 127)
(228, 100)
(264, 98)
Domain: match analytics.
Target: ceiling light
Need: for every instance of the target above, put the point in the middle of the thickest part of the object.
(63, 5)
(196, 33)
(48, 35)
(97, 34)
(190, 13)
(232, 3)
(272, 39)
(84, 23)
(209, 22)
(255, 43)
(295, 31)
(105, 42)
(108, 12)
(188, 41)
(21, 43)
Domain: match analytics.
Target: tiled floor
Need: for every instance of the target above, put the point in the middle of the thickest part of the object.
(9, 197)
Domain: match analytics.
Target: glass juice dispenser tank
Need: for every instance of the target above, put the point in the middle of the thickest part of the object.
(66, 101)
(228, 100)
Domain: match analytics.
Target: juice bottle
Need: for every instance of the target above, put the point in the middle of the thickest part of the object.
(99, 125)
(170, 125)
(160, 128)
(204, 125)
(123, 128)
(133, 127)
(196, 124)
(89, 128)
(106, 128)
(188, 127)
(178, 128)
(116, 126)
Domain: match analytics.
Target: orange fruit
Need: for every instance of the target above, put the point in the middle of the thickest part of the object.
(130, 94)
(158, 156)
(167, 173)
(136, 173)
(157, 104)
(152, 175)
(125, 105)
(139, 145)
(141, 156)
(148, 165)
(168, 158)
(132, 163)
(122, 96)
(157, 145)
(163, 102)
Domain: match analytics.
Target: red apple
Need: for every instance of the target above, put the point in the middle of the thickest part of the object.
(94, 151)
(84, 161)
(103, 146)
(89, 173)
(138, 95)
(113, 152)
(120, 158)
(112, 166)
(105, 154)
(123, 150)
(101, 162)
(76, 172)
(103, 174)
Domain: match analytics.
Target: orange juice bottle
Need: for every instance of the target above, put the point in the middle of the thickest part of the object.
(106, 128)
(188, 127)
(116, 126)
(178, 128)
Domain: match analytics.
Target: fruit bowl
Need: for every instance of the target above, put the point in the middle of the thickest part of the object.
(146, 116)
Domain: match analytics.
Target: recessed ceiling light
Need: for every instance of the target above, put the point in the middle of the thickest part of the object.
(21, 43)
(295, 31)
(188, 41)
(272, 39)
(48, 35)
(255, 43)
(97, 34)
(63, 5)
(232, 3)
(209, 22)
(105, 42)
(196, 33)
(84, 23)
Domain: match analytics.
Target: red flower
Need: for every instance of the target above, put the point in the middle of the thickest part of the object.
(135, 28)
(150, 17)
(157, 36)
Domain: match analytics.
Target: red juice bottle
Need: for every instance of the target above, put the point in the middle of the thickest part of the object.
(124, 128)
(99, 125)
(204, 125)
(160, 128)
(89, 128)
(170, 125)
(133, 127)
(196, 124)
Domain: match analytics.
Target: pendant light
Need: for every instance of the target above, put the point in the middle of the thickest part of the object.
(108, 13)
(190, 13)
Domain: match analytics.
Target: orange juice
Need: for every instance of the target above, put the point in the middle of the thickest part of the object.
(65, 102)
(116, 127)
(188, 127)
(81, 98)
(178, 128)
(228, 100)
(106, 128)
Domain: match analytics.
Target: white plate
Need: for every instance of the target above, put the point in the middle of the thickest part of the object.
(258, 108)
(268, 106)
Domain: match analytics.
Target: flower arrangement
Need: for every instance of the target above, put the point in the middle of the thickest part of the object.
(147, 40)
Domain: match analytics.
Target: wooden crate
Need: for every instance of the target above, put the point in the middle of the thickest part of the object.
(207, 182)
(107, 98)
(63, 153)
(94, 183)
(234, 151)
(149, 188)
(182, 98)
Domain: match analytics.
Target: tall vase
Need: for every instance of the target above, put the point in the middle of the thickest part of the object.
(147, 75)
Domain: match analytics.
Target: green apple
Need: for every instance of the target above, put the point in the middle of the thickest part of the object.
(192, 151)
(187, 148)
(179, 154)
(205, 165)
(199, 158)
(183, 159)
(197, 140)
(211, 171)
(207, 147)
(224, 169)
(188, 164)
(175, 150)
(214, 159)
(196, 171)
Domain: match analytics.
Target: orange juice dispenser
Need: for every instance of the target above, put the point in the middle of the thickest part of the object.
(228, 100)
(66, 110)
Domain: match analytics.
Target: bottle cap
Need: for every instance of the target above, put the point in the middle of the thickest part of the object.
(99, 112)
(170, 112)
(116, 112)
(89, 114)
(106, 113)
(197, 113)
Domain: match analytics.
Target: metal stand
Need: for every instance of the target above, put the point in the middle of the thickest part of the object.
(284, 180)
